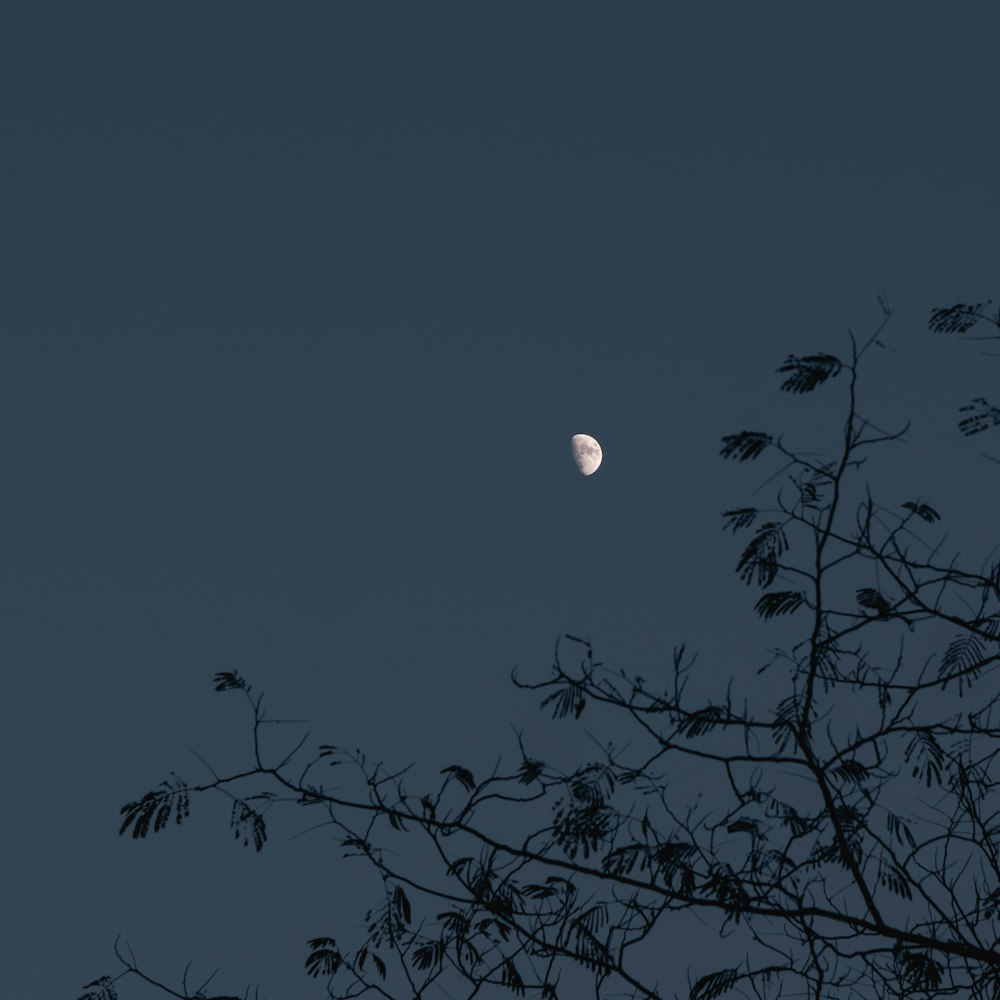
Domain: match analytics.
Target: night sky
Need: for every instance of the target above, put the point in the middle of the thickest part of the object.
(302, 303)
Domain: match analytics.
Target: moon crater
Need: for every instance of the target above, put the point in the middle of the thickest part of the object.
(586, 453)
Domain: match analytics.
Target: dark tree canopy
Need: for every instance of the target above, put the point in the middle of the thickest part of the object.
(846, 843)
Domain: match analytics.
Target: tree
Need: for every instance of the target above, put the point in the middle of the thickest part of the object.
(848, 840)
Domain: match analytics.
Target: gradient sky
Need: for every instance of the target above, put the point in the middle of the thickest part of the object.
(302, 303)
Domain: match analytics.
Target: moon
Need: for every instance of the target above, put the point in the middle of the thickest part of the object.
(586, 453)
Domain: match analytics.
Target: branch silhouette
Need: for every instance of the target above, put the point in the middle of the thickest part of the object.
(846, 842)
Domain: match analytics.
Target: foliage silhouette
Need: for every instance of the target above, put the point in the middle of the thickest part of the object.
(960, 319)
(848, 842)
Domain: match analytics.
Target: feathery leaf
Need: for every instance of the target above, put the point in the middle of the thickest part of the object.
(782, 602)
(962, 660)
(851, 771)
(714, 984)
(229, 680)
(928, 755)
(155, 808)
(870, 598)
(462, 774)
(959, 318)
(760, 557)
(247, 823)
(324, 959)
(739, 517)
(529, 771)
(808, 371)
(984, 416)
(105, 990)
(702, 721)
(746, 445)
(923, 510)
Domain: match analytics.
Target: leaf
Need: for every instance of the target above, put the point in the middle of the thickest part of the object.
(155, 808)
(247, 823)
(747, 445)
(454, 922)
(963, 658)
(729, 891)
(894, 879)
(714, 984)
(568, 699)
(929, 757)
(622, 860)
(379, 965)
(325, 959)
(959, 318)
(851, 821)
(808, 371)
(984, 417)
(702, 721)
(900, 830)
(850, 771)
(511, 978)
(401, 905)
(591, 953)
(529, 771)
(782, 602)
(585, 827)
(916, 969)
(462, 774)
(429, 955)
(457, 866)
(760, 557)
(870, 598)
(786, 721)
(395, 820)
(229, 680)
(357, 848)
(594, 918)
(789, 817)
(809, 492)
(539, 891)
(106, 990)
(923, 510)
(825, 854)
(739, 517)
(672, 857)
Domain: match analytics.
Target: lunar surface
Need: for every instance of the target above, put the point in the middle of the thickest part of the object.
(586, 453)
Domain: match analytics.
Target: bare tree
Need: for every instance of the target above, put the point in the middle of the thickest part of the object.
(846, 843)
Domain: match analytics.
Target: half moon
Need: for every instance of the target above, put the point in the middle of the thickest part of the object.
(586, 453)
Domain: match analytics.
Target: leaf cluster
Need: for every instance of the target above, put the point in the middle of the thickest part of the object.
(155, 808)
(809, 371)
(100, 989)
(959, 318)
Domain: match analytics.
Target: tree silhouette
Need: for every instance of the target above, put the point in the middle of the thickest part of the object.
(846, 842)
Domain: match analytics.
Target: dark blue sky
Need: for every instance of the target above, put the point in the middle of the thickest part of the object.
(302, 304)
